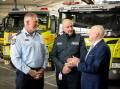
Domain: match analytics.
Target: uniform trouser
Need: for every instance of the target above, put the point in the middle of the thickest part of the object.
(24, 81)
(71, 81)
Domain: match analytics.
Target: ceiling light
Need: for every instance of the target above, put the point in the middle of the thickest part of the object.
(3, 0)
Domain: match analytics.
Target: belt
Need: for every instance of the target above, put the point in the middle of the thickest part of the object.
(38, 68)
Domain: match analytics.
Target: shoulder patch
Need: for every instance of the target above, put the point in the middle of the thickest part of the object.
(38, 31)
(13, 40)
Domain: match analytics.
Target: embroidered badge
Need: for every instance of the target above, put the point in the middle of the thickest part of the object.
(13, 41)
(75, 43)
(59, 43)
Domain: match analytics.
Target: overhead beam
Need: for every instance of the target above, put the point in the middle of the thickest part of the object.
(88, 1)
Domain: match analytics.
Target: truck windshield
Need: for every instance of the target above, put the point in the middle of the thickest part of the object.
(15, 22)
(111, 22)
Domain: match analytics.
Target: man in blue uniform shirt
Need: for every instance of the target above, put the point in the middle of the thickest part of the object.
(95, 67)
(65, 46)
(29, 55)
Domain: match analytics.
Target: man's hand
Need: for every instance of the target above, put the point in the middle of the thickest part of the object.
(33, 73)
(66, 69)
(40, 73)
(36, 74)
(73, 61)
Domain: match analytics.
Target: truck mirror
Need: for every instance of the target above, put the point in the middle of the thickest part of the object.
(53, 23)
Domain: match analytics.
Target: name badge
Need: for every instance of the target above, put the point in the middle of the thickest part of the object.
(60, 76)
(26, 39)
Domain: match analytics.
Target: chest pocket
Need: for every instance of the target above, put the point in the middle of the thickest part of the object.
(27, 43)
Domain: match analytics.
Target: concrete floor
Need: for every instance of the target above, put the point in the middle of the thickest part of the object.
(7, 79)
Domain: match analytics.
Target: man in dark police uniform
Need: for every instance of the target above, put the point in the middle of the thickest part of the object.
(66, 46)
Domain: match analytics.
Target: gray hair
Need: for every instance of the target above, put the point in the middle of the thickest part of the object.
(99, 29)
(66, 20)
(28, 16)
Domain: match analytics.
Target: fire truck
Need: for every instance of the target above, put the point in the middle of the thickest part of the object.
(85, 16)
(13, 23)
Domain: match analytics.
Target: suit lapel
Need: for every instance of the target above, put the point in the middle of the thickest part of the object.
(97, 45)
(94, 48)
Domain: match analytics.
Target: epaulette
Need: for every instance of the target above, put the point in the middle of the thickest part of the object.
(18, 33)
(58, 35)
(38, 31)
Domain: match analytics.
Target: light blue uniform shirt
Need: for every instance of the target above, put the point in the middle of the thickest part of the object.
(28, 51)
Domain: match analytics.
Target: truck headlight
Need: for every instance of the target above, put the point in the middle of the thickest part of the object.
(114, 71)
(115, 65)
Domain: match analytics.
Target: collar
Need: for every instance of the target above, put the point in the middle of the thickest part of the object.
(96, 42)
(68, 35)
(27, 34)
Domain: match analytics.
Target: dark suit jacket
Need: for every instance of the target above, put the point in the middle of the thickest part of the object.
(96, 67)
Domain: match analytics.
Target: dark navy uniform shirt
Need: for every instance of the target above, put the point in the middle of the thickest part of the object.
(67, 46)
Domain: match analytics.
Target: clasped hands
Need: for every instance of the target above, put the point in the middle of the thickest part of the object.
(36, 74)
(71, 62)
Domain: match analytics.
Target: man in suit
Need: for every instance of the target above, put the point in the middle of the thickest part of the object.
(95, 67)
(65, 46)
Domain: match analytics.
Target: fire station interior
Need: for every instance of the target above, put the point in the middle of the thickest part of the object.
(11, 16)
